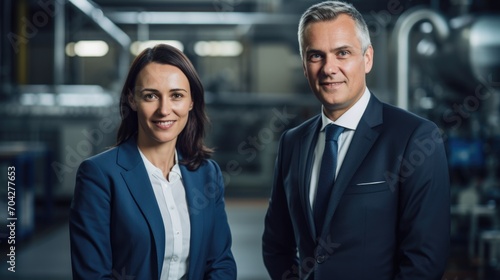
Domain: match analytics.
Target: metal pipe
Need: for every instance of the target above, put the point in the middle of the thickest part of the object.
(22, 52)
(142, 32)
(401, 43)
(95, 14)
(59, 41)
(202, 18)
(6, 51)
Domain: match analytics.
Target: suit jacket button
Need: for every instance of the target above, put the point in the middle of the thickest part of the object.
(320, 259)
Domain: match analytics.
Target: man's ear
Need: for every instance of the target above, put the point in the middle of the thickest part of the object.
(304, 68)
(131, 101)
(368, 59)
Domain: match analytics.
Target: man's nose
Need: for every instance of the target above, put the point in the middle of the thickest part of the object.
(330, 66)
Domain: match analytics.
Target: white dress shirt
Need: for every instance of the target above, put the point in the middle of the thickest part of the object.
(171, 198)
(349, 120)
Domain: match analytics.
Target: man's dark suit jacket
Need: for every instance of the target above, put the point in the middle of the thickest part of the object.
(116, 228)
(388, 215)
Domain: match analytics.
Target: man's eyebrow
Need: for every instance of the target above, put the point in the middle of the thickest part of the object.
(343, 47)
(309, 51)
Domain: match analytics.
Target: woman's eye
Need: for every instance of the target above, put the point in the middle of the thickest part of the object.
(149, 96)
(176, 95)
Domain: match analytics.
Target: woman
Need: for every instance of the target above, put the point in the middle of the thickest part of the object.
(152, 207)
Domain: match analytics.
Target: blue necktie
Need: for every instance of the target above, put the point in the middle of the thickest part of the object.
(326, 175)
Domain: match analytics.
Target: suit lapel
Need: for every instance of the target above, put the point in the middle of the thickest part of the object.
(361, 143)
(139, 185)
(306, 149)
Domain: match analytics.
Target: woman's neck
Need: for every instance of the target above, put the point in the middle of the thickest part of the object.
(161, 156)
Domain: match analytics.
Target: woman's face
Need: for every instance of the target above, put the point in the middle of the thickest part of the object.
(162, 100)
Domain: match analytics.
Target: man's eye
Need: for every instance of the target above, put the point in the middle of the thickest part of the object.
(315, 57)
(343, 53)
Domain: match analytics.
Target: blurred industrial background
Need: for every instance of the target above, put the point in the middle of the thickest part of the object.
(62, 63)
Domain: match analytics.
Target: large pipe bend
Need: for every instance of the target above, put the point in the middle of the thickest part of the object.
(401, 37)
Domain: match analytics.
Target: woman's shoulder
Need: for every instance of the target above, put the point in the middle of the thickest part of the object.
(209, 165)
(106, 161)
(105, 156)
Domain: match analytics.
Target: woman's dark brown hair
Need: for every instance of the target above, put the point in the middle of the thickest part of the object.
(190, 142)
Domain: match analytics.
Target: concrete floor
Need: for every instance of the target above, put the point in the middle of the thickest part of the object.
(47, 257)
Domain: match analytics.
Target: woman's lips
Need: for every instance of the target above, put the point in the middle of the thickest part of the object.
(163, 124)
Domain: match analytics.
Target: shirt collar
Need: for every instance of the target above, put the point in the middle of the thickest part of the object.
(350, 119)
(151, 169)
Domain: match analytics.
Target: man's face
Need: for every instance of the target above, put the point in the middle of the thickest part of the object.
(334, 64)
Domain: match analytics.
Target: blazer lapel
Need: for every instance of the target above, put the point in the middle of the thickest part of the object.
(306, 148)
(139, 185)
(196, 201)
(361, 143)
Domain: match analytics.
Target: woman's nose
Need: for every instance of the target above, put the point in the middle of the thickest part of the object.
(164, 107)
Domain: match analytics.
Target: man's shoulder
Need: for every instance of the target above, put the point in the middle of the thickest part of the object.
(405, 123)
(304, 127)
(398, 116)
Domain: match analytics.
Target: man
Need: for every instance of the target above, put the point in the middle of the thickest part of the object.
(372, 202)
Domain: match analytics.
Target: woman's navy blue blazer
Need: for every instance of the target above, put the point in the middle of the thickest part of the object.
(116, 228)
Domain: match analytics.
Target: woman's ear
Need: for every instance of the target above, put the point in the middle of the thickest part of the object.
(131, 101)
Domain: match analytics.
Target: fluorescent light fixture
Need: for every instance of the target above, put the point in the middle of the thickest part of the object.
(84, 99)
(70, 49)
(40, 99)
(138, 46)
(67, 99)
(218, 48)
(88, 48)
(28, 99)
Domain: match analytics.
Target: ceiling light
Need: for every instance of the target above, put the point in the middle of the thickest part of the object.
(218, 48)
(90, 48)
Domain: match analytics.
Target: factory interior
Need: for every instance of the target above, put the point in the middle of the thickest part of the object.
(63, 63)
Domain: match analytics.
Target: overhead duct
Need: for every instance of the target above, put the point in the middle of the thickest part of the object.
(92, 11)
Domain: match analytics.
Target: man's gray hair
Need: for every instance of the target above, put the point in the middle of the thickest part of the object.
(330, 10)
